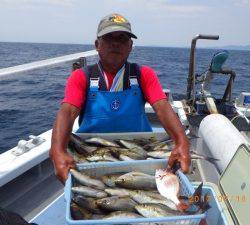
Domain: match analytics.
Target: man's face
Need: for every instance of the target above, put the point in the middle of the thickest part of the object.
(114, 48)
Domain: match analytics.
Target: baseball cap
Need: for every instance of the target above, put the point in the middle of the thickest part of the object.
(114, 22)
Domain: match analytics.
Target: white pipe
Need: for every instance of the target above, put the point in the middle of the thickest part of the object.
(44, 63)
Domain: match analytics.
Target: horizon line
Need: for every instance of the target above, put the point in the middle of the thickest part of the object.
(157, 46)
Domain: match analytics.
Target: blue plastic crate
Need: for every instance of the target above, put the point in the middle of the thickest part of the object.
(146, 166)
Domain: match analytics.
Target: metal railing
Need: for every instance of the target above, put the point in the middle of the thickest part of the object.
(191, 75)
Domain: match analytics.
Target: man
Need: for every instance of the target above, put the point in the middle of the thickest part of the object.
(116, 102)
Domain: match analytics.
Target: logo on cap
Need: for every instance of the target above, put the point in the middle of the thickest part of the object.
(117, 19)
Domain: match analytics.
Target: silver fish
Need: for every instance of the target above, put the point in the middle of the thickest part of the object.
(101, 141)
(151, 145)
(159, 154)
(144, 141)
(101, 156)
(125, 158)
(87, 180)
(116, 203)
(169, 142)
(117, 192)
(143, 197)
(155, 210)
(134, 155)
(132, 146)
(79, 213)
(161, 146)
(78, 158)
(136, 180)
(79, 145)
(116, 151)
(195, 155)
(121, 215)
(87, 203)
(130, 153)
(89, 192)
(109, 179)
(166, 154)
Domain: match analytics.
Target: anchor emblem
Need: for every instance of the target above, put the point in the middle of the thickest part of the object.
(115, 105)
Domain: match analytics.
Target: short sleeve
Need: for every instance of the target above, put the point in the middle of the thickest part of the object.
(75, 89)
(151, 86)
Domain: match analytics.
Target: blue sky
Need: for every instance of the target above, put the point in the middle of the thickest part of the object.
(156, 22)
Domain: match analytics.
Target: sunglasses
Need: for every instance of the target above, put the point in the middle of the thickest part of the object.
(122, 38)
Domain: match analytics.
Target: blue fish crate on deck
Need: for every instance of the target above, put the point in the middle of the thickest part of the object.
(97, 170)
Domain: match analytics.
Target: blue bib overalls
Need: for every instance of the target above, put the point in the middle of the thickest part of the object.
(122, 111)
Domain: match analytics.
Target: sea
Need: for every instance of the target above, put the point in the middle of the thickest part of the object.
(29, 101)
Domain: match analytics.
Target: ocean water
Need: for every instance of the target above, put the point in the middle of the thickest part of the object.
(29, 101)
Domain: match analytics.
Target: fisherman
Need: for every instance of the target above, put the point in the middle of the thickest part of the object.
(116, 102)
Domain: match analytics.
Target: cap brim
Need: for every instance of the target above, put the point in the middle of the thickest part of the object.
(112, 29)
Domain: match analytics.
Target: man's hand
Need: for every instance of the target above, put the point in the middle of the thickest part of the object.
(180, 154)
(60, 136)
(173, 126)
(63, 162)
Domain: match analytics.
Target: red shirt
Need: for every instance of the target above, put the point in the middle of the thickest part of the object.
(76, 87)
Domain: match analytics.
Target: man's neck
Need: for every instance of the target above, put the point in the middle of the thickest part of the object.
(113, 69)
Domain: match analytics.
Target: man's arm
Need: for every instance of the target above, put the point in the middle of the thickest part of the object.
(60, 136)
(173, 126)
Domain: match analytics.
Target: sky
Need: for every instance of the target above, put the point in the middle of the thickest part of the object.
(171, 23)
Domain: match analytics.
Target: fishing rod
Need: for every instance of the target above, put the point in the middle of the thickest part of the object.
(44, 63)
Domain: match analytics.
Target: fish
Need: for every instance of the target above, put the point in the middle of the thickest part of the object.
(116, 203)
(136, 180)
(201, 202)
(165, 141)
(79, 145)
(122, 192)
(162, 146)
(78, 158)
(144, 141)
(193, 155)
(168, 186)
(122, 215)
(75, 148)
(125, 158)
(132, 146)
(87, 180)
(78, 213)
(155, 210)
(117, 151)
(159, 154)
(109, 179)
(132, 155)
(89, 192)
(101, 155)
(142, 197)
(87, 203)
(153, 144)
(101, 141)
